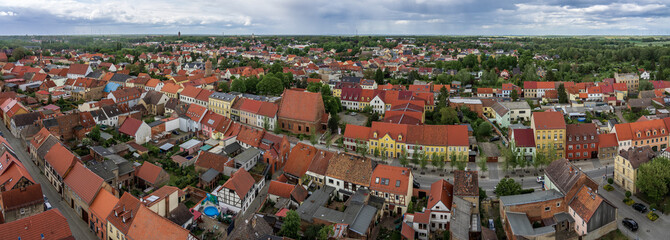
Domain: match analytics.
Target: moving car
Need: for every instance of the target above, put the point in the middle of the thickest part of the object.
(630, 224)
(640, 207)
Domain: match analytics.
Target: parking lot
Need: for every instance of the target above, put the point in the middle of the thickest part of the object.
(353, 118)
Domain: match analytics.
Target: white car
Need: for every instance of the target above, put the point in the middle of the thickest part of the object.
(540, 179)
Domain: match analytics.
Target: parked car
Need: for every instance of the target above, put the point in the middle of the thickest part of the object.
(352, 114)
(416, 184)
(47, 204)
(492, 226)
(493, 139)
(175, 132)
(540, 179)
(640, 207)
(630, 224)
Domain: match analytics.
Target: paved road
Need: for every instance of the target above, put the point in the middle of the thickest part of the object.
(647, 228)
(78, 227)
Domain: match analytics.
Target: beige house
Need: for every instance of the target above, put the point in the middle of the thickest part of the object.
(627, 163)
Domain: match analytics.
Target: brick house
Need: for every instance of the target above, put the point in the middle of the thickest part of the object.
(582, 141)
(302, 112)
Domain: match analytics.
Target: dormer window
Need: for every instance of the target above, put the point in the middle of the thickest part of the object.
(400, 137)
(375, 134)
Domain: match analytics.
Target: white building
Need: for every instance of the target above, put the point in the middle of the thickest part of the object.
(239, 191)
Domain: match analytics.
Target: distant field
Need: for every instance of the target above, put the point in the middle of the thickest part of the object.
(659, 43)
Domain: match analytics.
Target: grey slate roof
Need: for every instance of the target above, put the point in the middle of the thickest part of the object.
(180, 215)
(209, 175)
(121, 78)
(46, 146)
(318, 198)
(222, 96)
(26, 119)
(247, 155)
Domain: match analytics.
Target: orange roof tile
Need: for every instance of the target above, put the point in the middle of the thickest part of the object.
(60, 158)
(103, 204)
(149, 225)
(299, 159)
(440, 191)
(280, 189)
(304, 106)
(240, 182)
(149, 172)
(548, 120)
(391, 179)
(46, 225)
(83, 182)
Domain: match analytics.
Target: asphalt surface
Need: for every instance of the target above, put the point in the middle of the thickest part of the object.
(646, 228)
(78, 227)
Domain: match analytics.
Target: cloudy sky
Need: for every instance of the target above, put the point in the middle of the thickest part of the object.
(344, 17)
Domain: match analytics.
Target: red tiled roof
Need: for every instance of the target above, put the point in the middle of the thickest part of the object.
(103, 204)
(524, 137)
(299, 159)
(51, 224)
(130, 126)
(441, 191)
(78, 69)
(12, 199)
(407, 231)
(241, 182)
(195, 112)
(586, 202)
(209, 160)
(548, 120)
(357, 132)
(12, 171)
(84, 182)
(149, 225)
(280, 189)
(303, 106)
(127, 208)
(149, 172)
(391, 179)
(60, 158)
(190, 91)
(422, 217)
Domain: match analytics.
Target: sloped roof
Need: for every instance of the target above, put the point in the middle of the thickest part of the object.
(607, 140)
(52, 224)
(21, 197)
(149, 225)
(524, 137)
(391, 179)
(586, 202)
(441, 190)
(127, 208)
(357, 132)
(149, 172)
(548, 120)
(241, 182)
(60, 158)
(304, 106)
(299, 159)
(103, 204)
(280, 189)
(84, 182)
(352, 168)
(319, 163)
(130, 126)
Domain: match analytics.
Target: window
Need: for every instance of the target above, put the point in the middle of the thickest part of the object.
(586, 146)
(558, 204)
(547, 208)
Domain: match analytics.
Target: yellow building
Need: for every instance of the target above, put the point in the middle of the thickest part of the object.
(627, 163)
(392, 140)
(221, 103)
(549, 131)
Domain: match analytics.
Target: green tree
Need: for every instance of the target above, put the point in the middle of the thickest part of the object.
(224, 87)
(507, 187)
(483, 130)
(270, 85)
(291, 225)
(448, 116)
(239, 86)
(514, 95)
(95, 133)
(325, 232)
(481, 162)
(653, 178)
(276, 67)
(562, 94)
(379, 76)
(403, 159)
(423, 162)
(250, 84)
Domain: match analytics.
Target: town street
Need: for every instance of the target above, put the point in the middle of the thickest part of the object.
(647, 228)
(78, 227)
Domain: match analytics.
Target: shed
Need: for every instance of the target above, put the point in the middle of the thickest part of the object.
(191, 146)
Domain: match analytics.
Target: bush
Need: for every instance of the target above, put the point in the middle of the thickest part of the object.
(610, 181)
(608, 187)
(529, 190)
(628, 201)
(652, 216)
(628, 194)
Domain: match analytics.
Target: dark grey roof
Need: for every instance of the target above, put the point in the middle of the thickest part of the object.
(363, 219)
(461, 218)
(101, 150)
(209, 175)
(98, 114)
(49, 123)
(103, 169)
(172, 103)
(318, 198)
(251, 228)
(26, 119)
(46, 146)
(155, 123)
(153, 97)
(563, 174)
(222, 96)
(125, 168)
(180, 215)
(118, 77)
(539, 196)
(95, 74)
(111, 111)
(231, 148)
